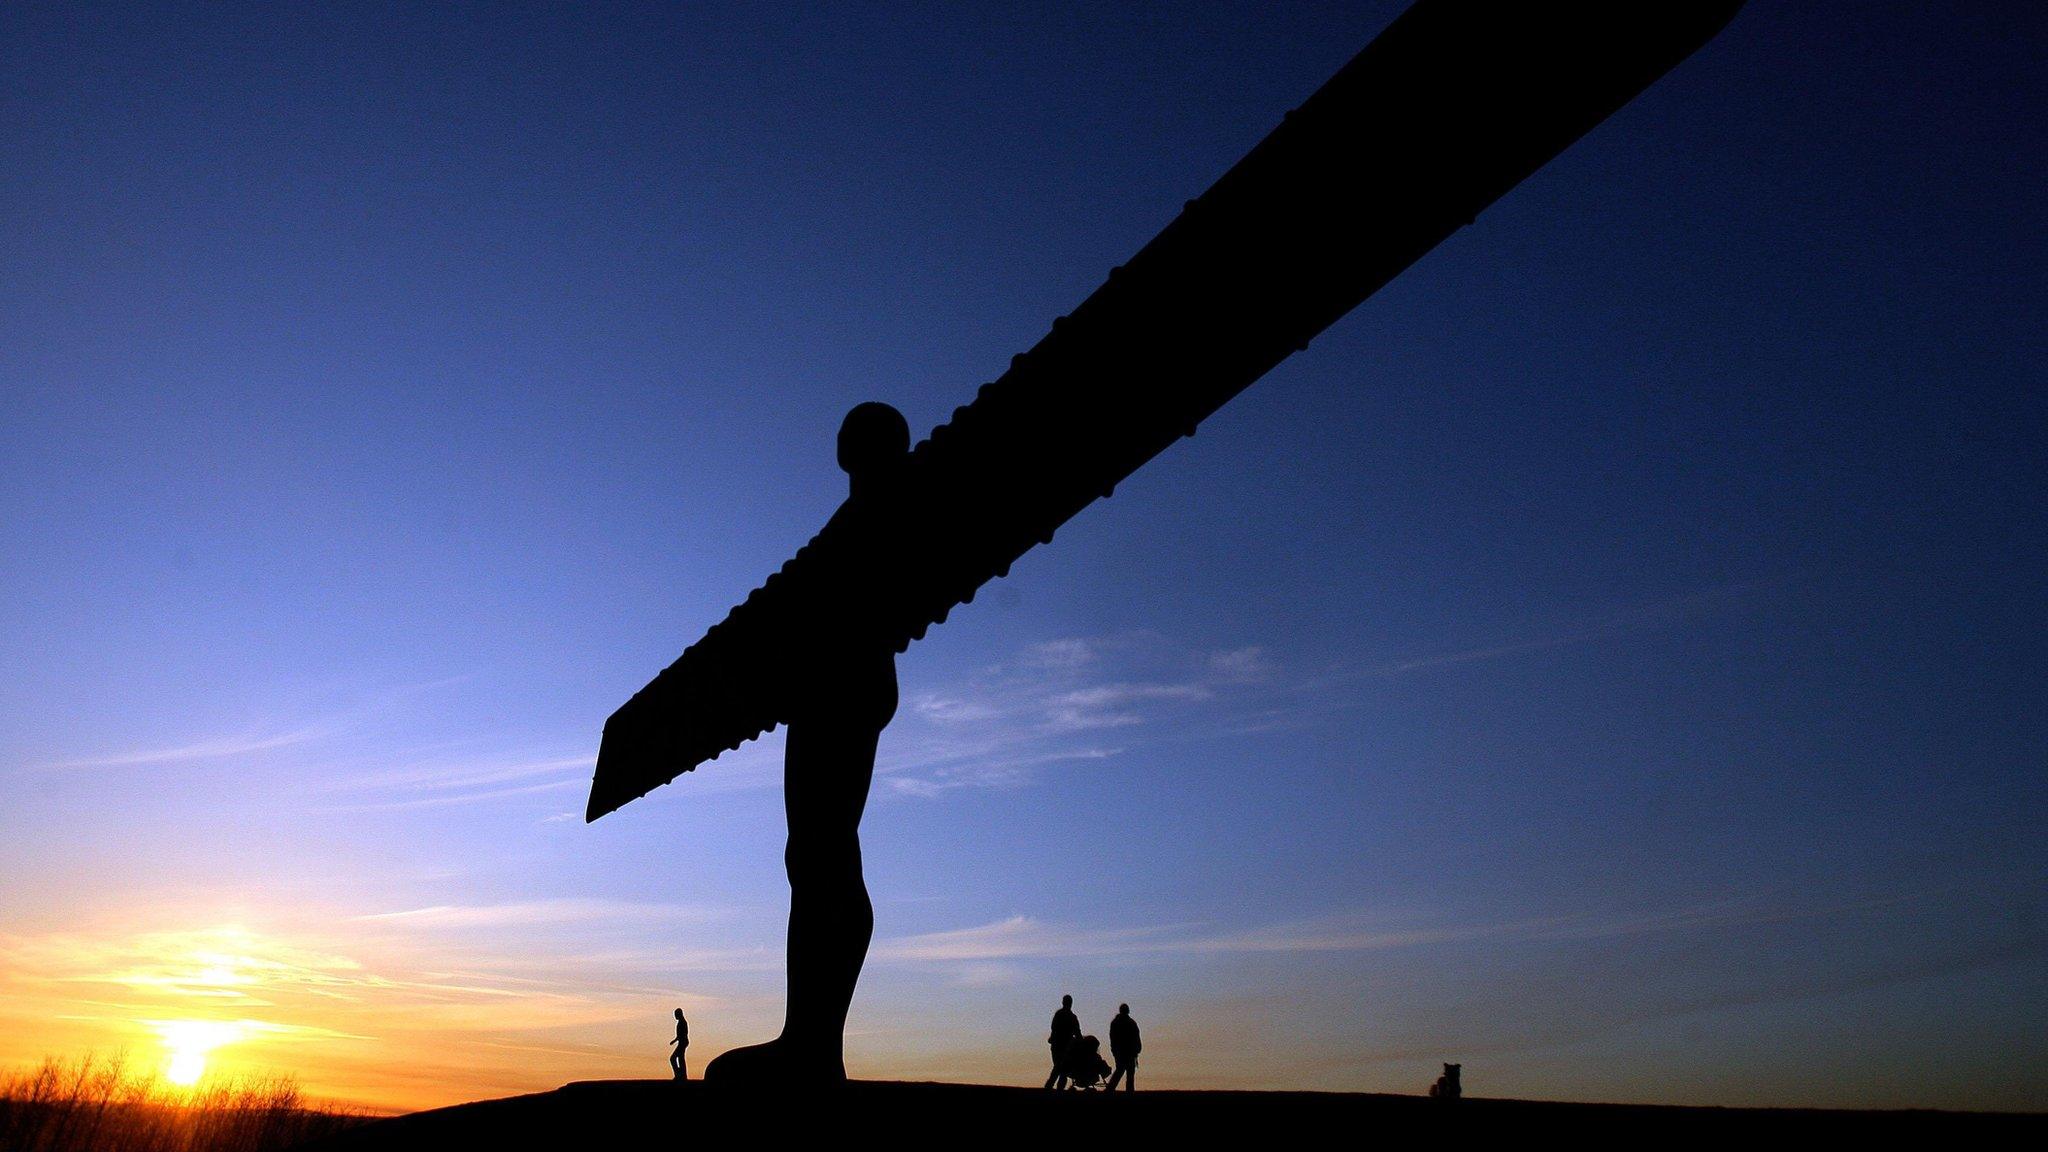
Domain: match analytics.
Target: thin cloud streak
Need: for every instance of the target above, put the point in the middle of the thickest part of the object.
(566, 910)
(1023, 937)
(1042, 706)
(1014, 773)
(467, 774)
(1598, 627)
(1051, 704)
(461, 798)
(215, 749)
(248, 743)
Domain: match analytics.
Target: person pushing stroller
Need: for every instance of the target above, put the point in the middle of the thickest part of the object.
(1084, 1068)
(1077, 1059)
(1066, 1028)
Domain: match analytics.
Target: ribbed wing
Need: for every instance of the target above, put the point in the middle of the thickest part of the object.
(1454, 104)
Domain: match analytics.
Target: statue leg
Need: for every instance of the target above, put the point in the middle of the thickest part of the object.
(831, 920)
(828, 765)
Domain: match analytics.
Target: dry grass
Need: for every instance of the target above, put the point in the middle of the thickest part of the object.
(98, 1105)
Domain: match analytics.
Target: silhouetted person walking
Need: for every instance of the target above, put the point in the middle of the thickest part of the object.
(841, 684)
(1124, 1047)
(681, 1044)
(1066, 1028)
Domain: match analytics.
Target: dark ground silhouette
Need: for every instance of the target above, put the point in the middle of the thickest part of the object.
(648, 1113)
(1446, 110)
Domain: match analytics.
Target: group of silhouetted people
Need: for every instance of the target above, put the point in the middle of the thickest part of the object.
(1077, 1059)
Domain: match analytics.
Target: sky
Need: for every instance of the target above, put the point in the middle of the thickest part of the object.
(1611, 658)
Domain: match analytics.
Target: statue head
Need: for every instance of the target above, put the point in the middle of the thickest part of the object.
(1123, 1009)
(873, 437)
(1066, 1001)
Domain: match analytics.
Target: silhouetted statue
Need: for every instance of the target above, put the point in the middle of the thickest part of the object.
(1447, 1086)
(1124, 1047)
(681, 1044)
(1066, 1028)
(1451, 106)
(841, 686)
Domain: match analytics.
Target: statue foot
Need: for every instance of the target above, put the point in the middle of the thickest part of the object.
(776, 1064)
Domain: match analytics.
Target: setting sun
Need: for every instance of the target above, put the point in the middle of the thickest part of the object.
(187, 1043)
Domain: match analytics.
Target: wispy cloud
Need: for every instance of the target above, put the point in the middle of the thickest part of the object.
(527, 913)
(1243, 665)
(1010, 773)
(1018, 937)
(226, 963)
(1089, 698)
(265, 737)
(215, 748)
(1584, 630)
(1024, 937)
(1021, 937)
(471, 773)
(453, 782)
(467, 796)
(1054, 703)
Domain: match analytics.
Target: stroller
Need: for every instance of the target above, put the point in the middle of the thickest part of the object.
(1084, 1066)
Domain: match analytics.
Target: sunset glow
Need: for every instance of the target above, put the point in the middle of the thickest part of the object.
(1611, 657)
(187, 1043)
(384, 1010)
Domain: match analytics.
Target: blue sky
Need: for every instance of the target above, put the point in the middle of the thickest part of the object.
(1612, 656)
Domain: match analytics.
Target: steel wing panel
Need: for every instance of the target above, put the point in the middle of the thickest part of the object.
(1444, 112)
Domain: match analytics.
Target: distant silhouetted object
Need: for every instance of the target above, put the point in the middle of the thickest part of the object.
(1446, 1086)
(681, 1044)
(1083, 1064)
(1066, 1028)
(1124, 1046)
(1451, 106)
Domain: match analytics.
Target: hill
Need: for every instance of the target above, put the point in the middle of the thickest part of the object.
(658, 1113)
